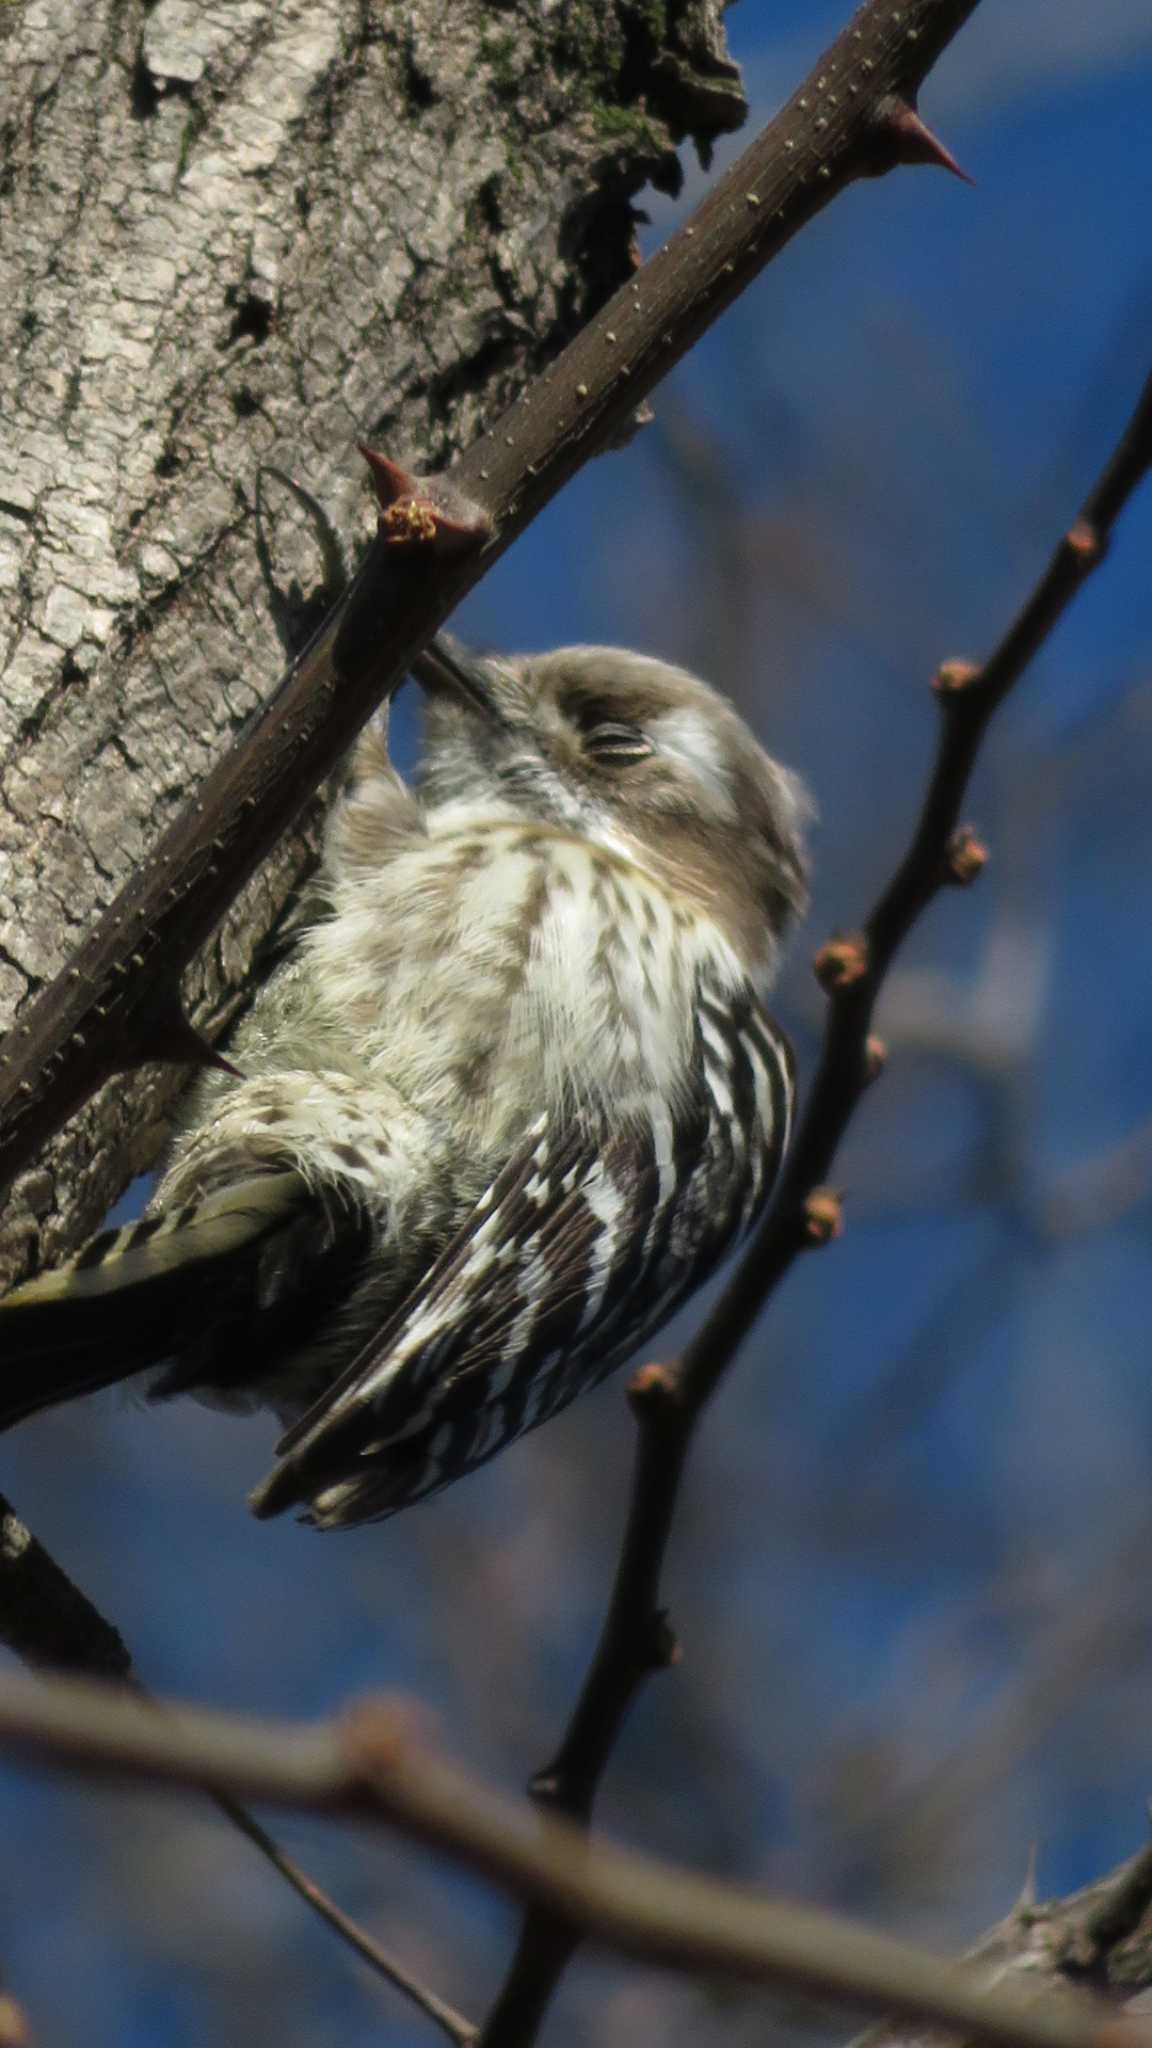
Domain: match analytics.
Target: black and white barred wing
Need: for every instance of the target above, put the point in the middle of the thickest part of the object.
(474, 1354)
(582, 1246)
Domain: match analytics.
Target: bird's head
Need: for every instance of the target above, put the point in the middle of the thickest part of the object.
(626, 750)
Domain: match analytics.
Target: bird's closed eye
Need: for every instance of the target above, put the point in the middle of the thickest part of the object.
(614, 742)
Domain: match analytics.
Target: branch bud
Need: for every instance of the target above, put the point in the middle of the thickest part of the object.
(967, 857)
(953, 677)
(1085, 540)
(823, 1217)
(423, 510)
(652, 1390)
(841, 962)
(875, 1058)
(376, 1735)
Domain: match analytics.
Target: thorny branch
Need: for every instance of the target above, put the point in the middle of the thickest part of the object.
(1098, 1936)
(52, 1625)
(852, 969)
(372, 1767)
(635, 1637)
(350, 1932)
(118, 1004)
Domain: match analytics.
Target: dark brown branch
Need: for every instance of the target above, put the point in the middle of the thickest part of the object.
(635, 1641)
(967, 697)
(668, 1401)
(47, 1620)
(115, 1005)
(51, 1625)
(373, 1768)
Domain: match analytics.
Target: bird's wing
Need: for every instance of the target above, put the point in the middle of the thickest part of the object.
(122, 1302)
(582, 1245)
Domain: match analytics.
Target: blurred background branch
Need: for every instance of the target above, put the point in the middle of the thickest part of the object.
(374, 1767)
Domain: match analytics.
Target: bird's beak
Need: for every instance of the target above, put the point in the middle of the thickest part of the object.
(449, 666)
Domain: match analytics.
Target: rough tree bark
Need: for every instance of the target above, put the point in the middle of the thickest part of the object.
(241, 233)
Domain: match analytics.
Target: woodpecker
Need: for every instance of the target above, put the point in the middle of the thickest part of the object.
(509, 1099)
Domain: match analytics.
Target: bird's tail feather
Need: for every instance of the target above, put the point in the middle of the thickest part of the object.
(124, 1302)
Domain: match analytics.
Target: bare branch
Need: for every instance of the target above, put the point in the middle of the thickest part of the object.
(430, 2003)
(668, 1401)
(117, 1003)
(968, 697)
(372, 1767)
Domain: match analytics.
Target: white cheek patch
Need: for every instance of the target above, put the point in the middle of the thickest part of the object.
(688, 739)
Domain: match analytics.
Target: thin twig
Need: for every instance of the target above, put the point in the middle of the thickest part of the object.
(117, 1002)
(373, 1767)
(446, 2017)
(668, 1401)
(52, 1625)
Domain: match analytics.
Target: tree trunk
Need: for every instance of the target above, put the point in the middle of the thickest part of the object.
(244, 233)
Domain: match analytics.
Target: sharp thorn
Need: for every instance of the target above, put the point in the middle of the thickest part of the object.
(425, 510)
(912, 141)
(1026, 1903)
(390, 480)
